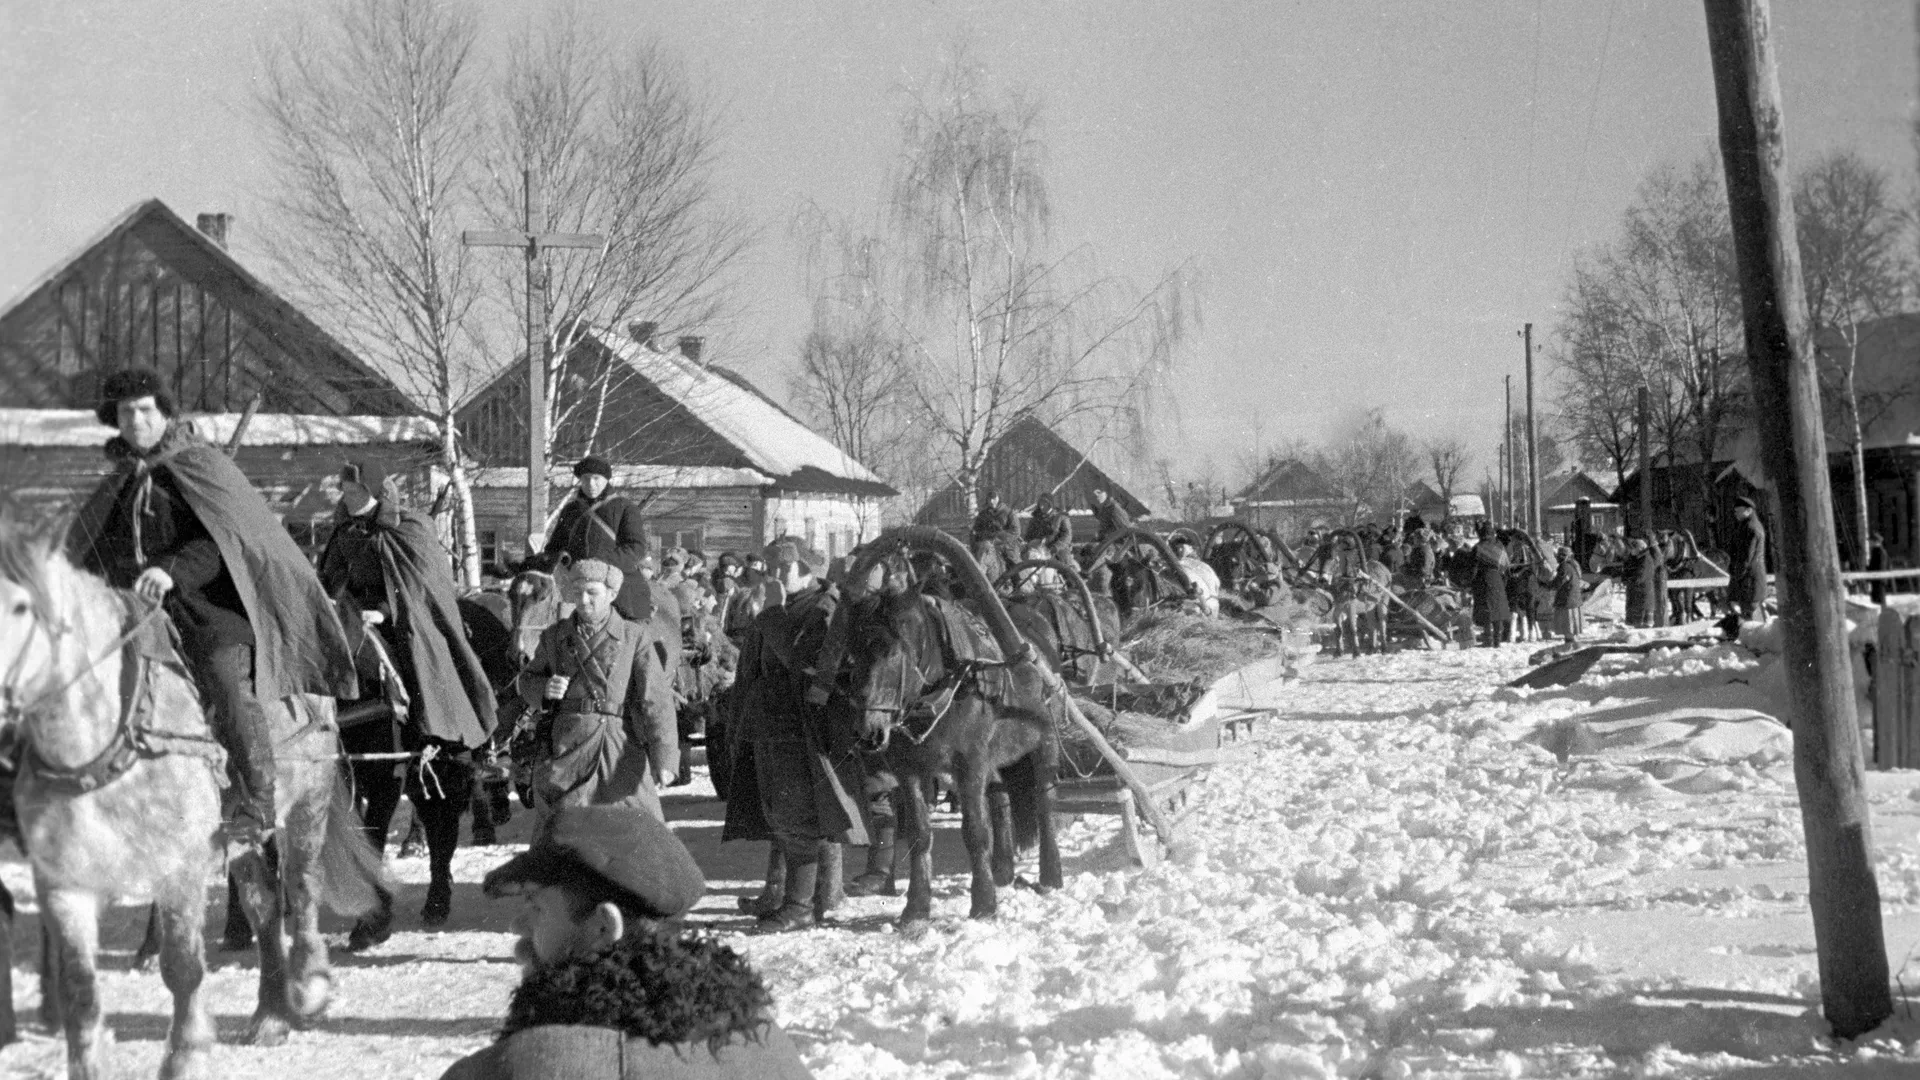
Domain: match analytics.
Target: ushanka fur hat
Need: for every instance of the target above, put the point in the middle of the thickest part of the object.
(593, 466)
(595, 570)
(128, 385)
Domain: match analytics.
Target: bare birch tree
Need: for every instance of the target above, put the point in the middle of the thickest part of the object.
(1447, 457)
(997, 322)
(1851, 253)
(370, 110)
(1372, 466)
(626, 148)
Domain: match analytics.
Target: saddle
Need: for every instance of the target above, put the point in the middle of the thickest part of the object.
(969, 652)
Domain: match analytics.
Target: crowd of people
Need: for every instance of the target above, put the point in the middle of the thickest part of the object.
(611, 982)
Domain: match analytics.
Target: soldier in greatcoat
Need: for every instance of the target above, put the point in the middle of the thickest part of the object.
(1109, 514)
(595, 523)
(181, 526)
(610, 722)
(1747, 576)
(796, 772)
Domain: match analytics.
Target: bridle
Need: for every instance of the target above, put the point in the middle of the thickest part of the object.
(56, 631)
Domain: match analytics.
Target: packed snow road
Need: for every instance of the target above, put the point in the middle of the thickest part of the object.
(1420, 873)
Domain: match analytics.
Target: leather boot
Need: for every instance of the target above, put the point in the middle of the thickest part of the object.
(797, 912)
(877, 879)
(250, 751)
(830, 889)
(774, 891)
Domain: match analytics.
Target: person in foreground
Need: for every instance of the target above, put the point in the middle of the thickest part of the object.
(610, 988)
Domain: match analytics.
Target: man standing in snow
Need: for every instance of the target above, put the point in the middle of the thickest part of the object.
(1747, 574)
(610, 990)
(1490, 562)
(597, 524)
(801, 769)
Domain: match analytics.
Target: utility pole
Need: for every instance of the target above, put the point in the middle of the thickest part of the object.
(533, 240)
(1533, 444)
(1643, 419)
(1827, 767)
(1506, 446)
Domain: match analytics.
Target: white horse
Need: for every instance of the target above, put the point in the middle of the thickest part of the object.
(118, 794)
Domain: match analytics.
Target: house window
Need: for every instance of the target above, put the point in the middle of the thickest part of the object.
(490, 548)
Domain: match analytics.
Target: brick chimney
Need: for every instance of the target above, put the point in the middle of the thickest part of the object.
(690, 346)
(215, 227)
(642, 332)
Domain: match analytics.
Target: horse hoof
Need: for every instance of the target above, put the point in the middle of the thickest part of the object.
(368, 933)
(146, 963)
(267, 1030)
(182, 1065)
(439, 904)
(309, 997)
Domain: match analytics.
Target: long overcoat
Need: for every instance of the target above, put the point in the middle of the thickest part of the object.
(770, 697)
(1490, 563)
(300, 646)
(1747, 576)
(452, 699)
(615, 720)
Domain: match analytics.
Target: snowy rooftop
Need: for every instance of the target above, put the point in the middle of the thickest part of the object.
(773, 441)
(79, 427)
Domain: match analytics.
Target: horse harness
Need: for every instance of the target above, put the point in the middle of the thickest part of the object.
(134, 737)
(985, 677)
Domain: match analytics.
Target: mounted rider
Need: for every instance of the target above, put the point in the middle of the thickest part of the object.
(178, 523)
(1109, 514)
(597, 524)
(385, 562)
(1050, 528)
(995, 525)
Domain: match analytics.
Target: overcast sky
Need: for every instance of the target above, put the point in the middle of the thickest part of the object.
(1377, 194)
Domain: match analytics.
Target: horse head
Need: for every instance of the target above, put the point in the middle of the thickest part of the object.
(535, 596)
(893, 656)
(29, 619)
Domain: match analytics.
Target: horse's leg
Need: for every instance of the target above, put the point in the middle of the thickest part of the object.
(9, 1028)
(238, 933)
(1000, 804)
(183, 966)
(148, 954)
(260, 892)
(919, 819)
(1046, 773)
(441, 819)
(380, 789)
(309, 978)
(49, 977)
(970, 781)
(73, 920)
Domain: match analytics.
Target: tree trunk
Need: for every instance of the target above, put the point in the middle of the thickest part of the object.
(466, 533)
(1858, 458)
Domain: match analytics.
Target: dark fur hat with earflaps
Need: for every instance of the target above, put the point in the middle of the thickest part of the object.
(127, 385)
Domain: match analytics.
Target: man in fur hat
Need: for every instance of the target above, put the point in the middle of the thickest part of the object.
(1050, 528)
(795, 772)
(611, 724)
(610, 990)
(181, 526)
(597, 524)
(385, 562)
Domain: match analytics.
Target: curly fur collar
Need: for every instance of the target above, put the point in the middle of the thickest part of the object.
(660, 986)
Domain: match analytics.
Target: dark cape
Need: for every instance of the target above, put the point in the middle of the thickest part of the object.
(652, 1005)
(609, 529)
(1747, 574)
(455, 701)
(300, 646)
(1490, 583)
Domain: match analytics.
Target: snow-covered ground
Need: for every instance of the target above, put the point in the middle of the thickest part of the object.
(1420, 872)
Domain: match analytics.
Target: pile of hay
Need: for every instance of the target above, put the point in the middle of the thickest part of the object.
(1123, 728)
(1171, 646)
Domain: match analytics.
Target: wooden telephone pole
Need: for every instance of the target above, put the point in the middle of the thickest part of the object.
(1828, 770)
(1506, 448)
(1643, 420)
(533, 239)
(1533, 444)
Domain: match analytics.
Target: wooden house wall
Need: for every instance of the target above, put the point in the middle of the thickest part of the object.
(296, 480)
(1027, 461)
(149, 299)
(639, 423)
